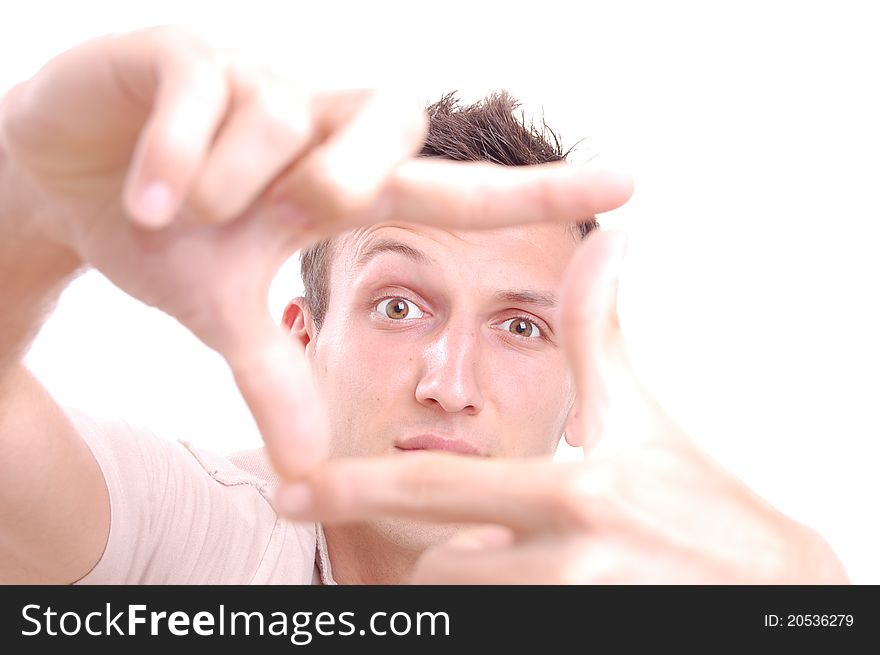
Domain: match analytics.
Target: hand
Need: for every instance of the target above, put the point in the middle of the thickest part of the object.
(187, 176)
(646, 506)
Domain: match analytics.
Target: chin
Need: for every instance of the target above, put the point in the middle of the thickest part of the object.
(415, 535)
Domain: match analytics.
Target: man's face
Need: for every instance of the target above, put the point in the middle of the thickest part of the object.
(448, 340)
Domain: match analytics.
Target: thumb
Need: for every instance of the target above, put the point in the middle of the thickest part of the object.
(591, 331)
(611, 403)
(273, 376)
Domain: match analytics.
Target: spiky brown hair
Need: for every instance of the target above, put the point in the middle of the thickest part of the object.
(488, 130)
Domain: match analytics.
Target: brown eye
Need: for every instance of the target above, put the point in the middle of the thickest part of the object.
(398, 308)
(522, 328)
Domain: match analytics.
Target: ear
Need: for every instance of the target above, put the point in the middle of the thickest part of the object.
(298, 320)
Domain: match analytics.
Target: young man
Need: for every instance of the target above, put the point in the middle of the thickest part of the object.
(491, 344)
(421, 338)
(187, 178)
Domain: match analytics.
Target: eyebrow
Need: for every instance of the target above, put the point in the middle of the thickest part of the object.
(390, 245)
(513, 296)
(528, 297)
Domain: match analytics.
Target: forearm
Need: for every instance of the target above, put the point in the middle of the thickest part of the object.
(54, 512)
(33, 269)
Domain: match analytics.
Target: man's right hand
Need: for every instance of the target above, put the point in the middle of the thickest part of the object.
(187, 176)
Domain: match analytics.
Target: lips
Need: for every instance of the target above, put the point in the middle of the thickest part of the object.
(435, 442)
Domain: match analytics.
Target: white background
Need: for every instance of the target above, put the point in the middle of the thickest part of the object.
(751, 289)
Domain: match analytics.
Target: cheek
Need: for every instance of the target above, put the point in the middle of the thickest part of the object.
(363, 379)
(358, 366)
(524, 382)
(533, 396)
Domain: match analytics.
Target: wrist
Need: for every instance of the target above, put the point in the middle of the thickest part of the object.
(34, 268)
(27, 244)
(23, 207)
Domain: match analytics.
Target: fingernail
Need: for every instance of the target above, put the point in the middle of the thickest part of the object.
(153, 205)
(289, 214)
(293, 499)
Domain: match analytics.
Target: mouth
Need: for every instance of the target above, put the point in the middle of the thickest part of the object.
(437, 443)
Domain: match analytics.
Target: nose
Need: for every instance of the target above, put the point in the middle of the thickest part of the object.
(451, 378)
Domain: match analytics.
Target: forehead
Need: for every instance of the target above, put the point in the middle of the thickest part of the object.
(539, 250)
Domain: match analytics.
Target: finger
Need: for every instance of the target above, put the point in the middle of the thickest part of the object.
(524, 494)
(272, 373)
(267, 128)
(533, 562)
(611, 403)
(191, 97)
(489, 536)
(576, 559)
(367, 136)
(483, 195)
(452, 566)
